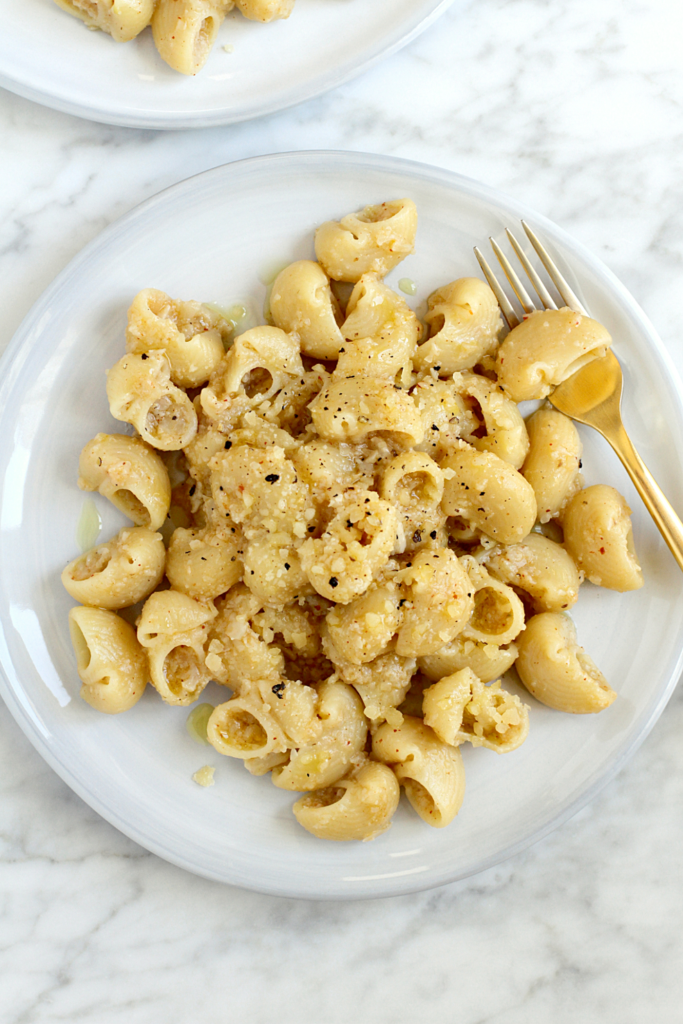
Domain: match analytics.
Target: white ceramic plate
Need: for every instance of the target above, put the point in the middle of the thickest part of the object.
(209, 238)
(50, 57)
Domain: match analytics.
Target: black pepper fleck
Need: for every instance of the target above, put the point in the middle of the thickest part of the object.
(272, 477)
(334, 582)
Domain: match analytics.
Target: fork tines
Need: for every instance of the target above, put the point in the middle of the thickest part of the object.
(566, 293)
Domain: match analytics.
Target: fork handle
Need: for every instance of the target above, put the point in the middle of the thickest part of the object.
(666, 520)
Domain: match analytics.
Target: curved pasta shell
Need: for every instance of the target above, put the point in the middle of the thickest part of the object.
(140, 392)
(343, 735)
(301, 300)
(540, 567)
(244, 728)
(342, 563)
(506, 435)
(352, 410)
(556, 670)
(374, 240)
(130, 474)
(488, 661)
(553, 462)
(191, 335)
(599, 537)
(185, 32)
(360, 807)
(123, 20)
(110, 661)
(460, 708)
(547, 348)
(265, 10)
(464, 322)
(380, 331)
(430, 771)
(119, 573)
(488, 493)
(438, 602)
(203, 563)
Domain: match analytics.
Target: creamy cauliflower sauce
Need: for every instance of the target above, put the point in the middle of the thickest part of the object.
(342, 517)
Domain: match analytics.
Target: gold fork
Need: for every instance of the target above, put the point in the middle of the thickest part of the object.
(592, 395)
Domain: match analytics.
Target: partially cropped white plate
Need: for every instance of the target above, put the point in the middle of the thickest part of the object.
(49, 56)
(210, 238)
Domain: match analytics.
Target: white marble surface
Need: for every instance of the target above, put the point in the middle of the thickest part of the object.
(576, 109)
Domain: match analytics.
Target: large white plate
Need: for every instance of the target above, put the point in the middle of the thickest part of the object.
(209, 238)
(50, 57)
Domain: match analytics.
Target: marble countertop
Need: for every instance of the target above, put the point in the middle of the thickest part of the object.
(576, 109)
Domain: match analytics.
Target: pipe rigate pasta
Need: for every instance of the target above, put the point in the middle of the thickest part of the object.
(265, 10)
(360, 806)
(437, 602)
(342, 738)
(382, 684)
(464, 324)
(120, 572)
(358, 550)
(599, 537)
(556, 671)
(553, 462)
(488, 493)
(497, 614)
(109, 660)
(261, 362)
(244, 727)
(328, 469)
(380, 331)
(130, 474)
(353, 409)
(192, 335)
(430, 771)
(185, 30)
(374, 240)
(123, 20)
(362, 630)
(174, 628)
(540, 567)
(140, 392)
(302, 301)
(545, 349)
(504, 432)
(237, 652)
(487, 660)
(460, 708)
(294, 706)
(414, 484)
(204, 563)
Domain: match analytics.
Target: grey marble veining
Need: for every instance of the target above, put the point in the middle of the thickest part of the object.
(576, 109)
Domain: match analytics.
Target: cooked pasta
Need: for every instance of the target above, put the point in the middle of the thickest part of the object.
(184, 31)
(349, 528)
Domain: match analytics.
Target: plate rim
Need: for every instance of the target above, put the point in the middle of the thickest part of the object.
(20, 346)
(314, 87)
